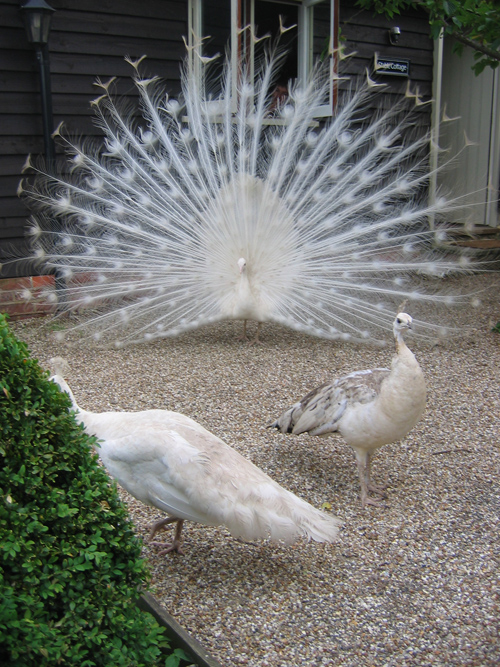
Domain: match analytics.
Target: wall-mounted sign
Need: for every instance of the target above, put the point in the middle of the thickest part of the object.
(392, 66)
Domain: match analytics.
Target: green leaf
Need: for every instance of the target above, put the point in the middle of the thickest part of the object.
(174, 660)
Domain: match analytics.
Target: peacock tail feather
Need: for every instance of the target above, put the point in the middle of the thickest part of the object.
(146, 230)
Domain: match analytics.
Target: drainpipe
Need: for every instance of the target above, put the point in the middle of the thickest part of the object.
(492, 211)
(437, 82)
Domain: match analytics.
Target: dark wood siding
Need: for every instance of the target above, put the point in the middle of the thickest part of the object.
(366, 33)
(88, 40)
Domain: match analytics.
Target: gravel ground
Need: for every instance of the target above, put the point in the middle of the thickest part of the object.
(412, 582)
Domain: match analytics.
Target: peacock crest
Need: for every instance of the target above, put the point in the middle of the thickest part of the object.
(148, 228)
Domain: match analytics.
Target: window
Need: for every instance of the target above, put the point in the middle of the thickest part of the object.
(313, 34)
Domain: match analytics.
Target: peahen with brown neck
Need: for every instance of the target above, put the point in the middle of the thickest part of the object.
(369, 408)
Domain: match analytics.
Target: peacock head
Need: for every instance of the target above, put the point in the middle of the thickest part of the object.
(402, 323)
(242, 264)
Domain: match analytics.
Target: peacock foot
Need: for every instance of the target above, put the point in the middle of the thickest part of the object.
(255, 341)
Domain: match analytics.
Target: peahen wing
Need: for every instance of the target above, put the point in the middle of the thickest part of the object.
(322, 408)
(192, 474)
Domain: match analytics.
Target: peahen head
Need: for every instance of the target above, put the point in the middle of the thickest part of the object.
(402, 323)
(59, 368)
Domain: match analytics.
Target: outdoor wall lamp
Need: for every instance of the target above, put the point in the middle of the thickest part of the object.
(37, 15)
(394, 35)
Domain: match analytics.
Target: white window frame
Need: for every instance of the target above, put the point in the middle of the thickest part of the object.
(305, 49)
(305, 40)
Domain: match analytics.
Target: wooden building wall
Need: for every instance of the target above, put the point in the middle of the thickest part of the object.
(474, 102)
(366, 33)
(90, 39)
(87, 40)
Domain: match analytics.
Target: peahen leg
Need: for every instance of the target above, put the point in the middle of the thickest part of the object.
(379, 490)
(176, 544)
(363, 463)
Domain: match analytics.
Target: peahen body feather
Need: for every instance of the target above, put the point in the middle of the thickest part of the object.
(148, 230)
(169, 461)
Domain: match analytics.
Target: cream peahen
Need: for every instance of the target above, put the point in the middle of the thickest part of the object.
(148, 231)
(168, 461)
(368, 409)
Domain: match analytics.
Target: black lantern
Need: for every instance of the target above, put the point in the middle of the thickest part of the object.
(37, 15)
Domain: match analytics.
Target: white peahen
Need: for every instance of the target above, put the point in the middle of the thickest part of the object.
(168, 461)
(368, 409)
(213, 207)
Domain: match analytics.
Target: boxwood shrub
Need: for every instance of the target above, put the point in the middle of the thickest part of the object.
(70, 565)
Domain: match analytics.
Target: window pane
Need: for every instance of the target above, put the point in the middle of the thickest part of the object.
(321, 31)
(267, 21)
(216, 28)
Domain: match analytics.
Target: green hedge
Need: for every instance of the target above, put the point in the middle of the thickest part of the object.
(70, 564)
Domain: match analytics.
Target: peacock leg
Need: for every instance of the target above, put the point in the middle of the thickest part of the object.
(244, 334)
(256, 338)
(176, 544)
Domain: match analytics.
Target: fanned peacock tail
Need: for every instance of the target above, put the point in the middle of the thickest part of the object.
(332, 220)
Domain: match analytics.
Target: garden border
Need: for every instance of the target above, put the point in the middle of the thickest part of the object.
(175, 632)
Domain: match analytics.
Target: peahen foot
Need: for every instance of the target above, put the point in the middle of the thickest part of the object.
(379, 490)
(173, 546)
